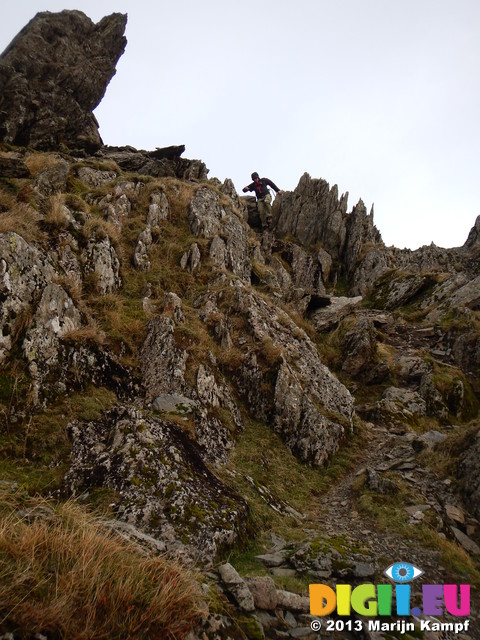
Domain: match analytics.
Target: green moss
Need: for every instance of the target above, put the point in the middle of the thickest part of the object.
(194, 512)
(34, 479)
(34, 451)
(103, 499)
(11, 185)
(251, 627)
(342, 544)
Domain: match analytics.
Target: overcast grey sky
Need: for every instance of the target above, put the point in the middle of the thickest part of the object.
(381, 97)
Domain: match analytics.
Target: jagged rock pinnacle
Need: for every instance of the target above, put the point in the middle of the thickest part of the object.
(53, 74)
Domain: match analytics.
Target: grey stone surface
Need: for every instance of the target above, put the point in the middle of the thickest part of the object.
(237, 587)
(173, 403)
(166, 490)
(263, 591)
(53, 74)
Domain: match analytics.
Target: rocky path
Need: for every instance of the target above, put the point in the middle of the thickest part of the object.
(387, 453)
(346, 546)
(395, 455)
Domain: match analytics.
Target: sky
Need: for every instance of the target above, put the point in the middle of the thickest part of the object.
(380, 97)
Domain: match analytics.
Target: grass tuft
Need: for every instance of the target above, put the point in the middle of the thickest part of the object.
(38, 161)
(23, 219)
(64, 574)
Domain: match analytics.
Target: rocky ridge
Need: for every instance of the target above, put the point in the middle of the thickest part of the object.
(132, 282)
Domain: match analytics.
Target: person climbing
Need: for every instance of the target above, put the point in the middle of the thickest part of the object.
(264, 197)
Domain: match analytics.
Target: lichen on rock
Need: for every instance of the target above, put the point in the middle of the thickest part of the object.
(165, 488)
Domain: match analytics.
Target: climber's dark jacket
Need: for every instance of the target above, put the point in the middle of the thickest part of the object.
(261, 188)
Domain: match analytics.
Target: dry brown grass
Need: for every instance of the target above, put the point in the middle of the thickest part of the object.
(271, 353)
(63, 574)
(101, 229)
(7, 200)
(24, 220)
(57, 214)
(90, 333)
(73, 286)
(37, 161)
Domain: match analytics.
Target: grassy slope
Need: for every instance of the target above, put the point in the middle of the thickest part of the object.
(34, 449)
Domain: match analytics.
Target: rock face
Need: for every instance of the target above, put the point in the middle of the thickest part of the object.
(153, 163)
(469, 473)
(166, 490)
(56, 316)
(23, 271)
(313, 213)
(228, 233)
(52, 76)
(164, 370)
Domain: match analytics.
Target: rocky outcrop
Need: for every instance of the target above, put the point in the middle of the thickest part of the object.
(361, 235)
(158, 210)
(280, 375)
(151, 163)
(473, 241)
(55, 316)
(165, 489)
(52, 76)
(226, 230)
(102, 261)
(24, 271)
(313, 213)
(169, 388)
(116, 204)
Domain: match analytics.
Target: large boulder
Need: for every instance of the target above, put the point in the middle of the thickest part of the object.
(164, 487)
(52, 76)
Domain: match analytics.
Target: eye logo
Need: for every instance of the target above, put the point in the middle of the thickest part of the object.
(379, 600)
(403, 572)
